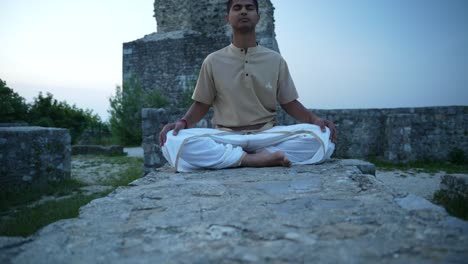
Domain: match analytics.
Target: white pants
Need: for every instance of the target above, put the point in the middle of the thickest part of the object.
(206, 148)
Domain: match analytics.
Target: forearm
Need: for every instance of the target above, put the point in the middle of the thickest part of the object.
(299, 112)
(195, 113)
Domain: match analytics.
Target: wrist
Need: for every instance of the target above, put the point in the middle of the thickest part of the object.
(183, 121)
(314, 119)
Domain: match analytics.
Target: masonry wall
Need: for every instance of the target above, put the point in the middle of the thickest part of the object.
(396, 135)
(33, 156)
(169, 64)
(169, 60)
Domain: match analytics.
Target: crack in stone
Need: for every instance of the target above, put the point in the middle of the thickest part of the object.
(150, 208)
(363, 182)
(207, 195)
(16, 244)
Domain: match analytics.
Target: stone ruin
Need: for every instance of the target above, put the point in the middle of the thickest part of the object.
(187, 31)
(397, 135)
(335, 212)
(33, 156)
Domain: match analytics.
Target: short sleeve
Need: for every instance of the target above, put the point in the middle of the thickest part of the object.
(286, 92)
(205, 90)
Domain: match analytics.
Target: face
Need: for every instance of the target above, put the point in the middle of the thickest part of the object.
(243, 15)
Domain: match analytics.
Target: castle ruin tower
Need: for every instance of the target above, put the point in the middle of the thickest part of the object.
(187, 31)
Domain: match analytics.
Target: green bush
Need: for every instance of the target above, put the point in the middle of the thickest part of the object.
(13, 106)
(125, 111)
(48, 112)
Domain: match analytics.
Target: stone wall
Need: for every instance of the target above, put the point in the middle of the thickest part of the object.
(205, 16)
(170, 59)
(33, 156)
(401, 134)
(397, 135)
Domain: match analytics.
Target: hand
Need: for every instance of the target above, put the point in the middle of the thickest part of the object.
(323, 123)
(177, 126)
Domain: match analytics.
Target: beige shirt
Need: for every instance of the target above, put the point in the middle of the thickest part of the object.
(244, 87)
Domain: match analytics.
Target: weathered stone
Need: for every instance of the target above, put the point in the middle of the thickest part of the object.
(326, 213)
(33, 156)
(363, 166)
(414, 202)
(114, 150)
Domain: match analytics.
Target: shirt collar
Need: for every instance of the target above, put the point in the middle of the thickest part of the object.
(241, 50)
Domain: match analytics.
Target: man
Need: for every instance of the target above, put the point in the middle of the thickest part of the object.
(244, 82)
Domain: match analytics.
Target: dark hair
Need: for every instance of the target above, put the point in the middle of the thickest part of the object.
(229, 4)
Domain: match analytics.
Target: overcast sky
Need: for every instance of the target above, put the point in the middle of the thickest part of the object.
(341, 53)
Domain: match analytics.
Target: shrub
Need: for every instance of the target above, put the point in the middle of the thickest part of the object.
(13, 106)
(125, 111)
(48, 112)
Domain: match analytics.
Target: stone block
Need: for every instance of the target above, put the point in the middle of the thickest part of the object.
(33, 156)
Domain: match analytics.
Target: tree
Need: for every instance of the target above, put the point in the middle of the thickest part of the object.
(48, 112)
(13, 106)
(125, 111)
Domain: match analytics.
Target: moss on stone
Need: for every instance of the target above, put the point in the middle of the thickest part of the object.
(455, 204)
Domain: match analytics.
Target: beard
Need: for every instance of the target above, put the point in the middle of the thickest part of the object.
(244, 29)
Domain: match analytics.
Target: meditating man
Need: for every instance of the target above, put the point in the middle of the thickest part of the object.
(244, 82)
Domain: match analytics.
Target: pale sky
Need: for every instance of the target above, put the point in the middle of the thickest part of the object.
(341, 53)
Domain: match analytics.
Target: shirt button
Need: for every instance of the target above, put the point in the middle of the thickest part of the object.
(246, 74)
(242, 50)
(246, 61)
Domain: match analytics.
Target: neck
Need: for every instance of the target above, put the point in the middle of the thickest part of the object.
(244, 40)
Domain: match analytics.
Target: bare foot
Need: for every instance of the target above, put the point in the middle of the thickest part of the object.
(265, 159)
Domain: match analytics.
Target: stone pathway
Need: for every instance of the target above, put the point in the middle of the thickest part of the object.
(328, 213)
(134, 152)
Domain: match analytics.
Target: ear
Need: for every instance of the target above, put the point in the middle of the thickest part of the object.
(227, 18)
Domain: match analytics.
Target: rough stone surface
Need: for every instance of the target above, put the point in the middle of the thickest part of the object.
(400, 134)
(114, 150)
(422, 184)
(33, 156)
(205, 16)
(396, 135)
(327, 213)
(187, 31)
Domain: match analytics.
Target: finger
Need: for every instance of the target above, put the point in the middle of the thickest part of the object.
(332, 128)
(333, 138)
(162, 137)
(322, 125)
(177, 128)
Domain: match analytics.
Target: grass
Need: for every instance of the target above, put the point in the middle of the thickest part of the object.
(19, 218)
(421, 166)
(25, 195)
(133, 172)
(26, 221)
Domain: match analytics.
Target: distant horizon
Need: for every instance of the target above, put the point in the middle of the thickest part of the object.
(360, 55)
